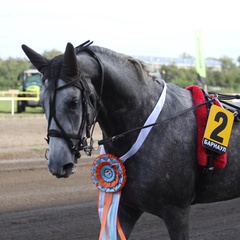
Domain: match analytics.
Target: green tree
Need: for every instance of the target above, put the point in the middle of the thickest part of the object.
(186, 56)
(179, 76)
(238, 60)
(9, 70)
(51, 54)
(12, 67)
(228, 78)
(227, 63)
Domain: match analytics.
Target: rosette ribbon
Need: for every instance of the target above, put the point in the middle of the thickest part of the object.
(109, 175)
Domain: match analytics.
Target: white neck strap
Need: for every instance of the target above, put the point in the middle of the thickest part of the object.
(145, 131)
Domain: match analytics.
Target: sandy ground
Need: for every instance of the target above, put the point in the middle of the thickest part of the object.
(36, 205)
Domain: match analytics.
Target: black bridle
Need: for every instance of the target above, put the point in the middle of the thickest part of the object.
(86, 125)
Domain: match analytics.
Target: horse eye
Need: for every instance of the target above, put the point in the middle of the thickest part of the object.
(73, 104)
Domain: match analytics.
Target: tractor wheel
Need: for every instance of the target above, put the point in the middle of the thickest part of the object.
(20, 106)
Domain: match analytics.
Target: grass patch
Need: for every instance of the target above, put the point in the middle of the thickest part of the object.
(6, 108)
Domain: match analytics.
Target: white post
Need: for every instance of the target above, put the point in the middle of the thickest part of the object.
(12, 105)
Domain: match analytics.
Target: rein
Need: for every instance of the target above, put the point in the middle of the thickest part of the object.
(114, 138)
(220, 97)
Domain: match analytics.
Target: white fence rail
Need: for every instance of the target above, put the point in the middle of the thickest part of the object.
(12, 95)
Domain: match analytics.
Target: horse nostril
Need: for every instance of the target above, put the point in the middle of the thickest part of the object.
(52, 171)
(64, 171)
(67, 169)
(68, 166)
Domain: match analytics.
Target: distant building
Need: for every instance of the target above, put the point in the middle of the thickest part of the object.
(157, 62)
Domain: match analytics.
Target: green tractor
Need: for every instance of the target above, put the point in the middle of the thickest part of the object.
(31, 81)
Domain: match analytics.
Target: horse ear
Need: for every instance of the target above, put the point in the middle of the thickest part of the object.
(37, 60)
(70, 66)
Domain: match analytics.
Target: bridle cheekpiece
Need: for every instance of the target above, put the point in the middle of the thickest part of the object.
(87, 103)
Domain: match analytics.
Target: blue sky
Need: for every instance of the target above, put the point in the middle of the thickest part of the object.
(148, 28)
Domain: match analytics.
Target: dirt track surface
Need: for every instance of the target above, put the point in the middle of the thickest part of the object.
(36, 205)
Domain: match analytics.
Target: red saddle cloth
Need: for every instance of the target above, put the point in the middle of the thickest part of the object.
(201, 116)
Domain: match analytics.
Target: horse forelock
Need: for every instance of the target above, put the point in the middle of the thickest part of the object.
(54, 71)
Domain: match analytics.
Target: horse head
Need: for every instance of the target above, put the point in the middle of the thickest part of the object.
(69, 108)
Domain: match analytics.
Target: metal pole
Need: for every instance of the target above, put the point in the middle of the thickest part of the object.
(12, 105)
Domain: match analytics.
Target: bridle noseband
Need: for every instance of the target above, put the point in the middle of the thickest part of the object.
(86, 125)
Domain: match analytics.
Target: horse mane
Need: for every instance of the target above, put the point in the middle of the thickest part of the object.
(141, 66)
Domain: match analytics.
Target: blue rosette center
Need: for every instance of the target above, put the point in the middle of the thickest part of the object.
(108, 173)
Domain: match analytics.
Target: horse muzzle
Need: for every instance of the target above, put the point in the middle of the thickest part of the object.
(62, 171)
(61, 161)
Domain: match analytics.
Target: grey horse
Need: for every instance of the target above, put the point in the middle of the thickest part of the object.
(90, 84)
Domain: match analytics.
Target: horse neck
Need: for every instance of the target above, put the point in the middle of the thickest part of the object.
(128, 98)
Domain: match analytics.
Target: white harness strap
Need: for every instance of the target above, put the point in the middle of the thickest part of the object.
(145, 131)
